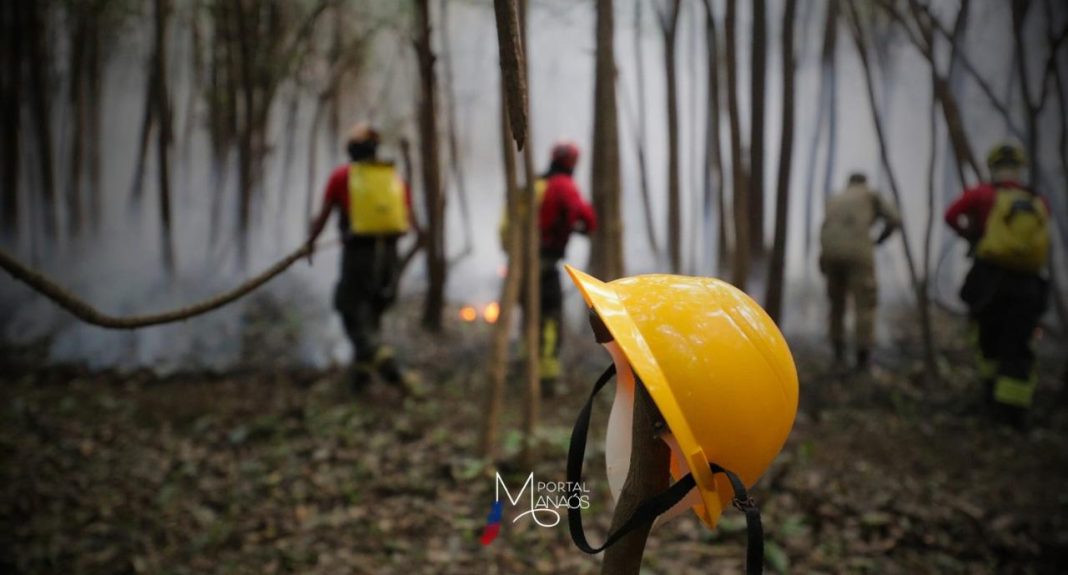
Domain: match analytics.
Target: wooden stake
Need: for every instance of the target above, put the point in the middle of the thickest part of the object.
(647, 476)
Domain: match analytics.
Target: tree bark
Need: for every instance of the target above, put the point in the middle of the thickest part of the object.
(776, 271)
(758, 78)
(456, 165)
(94, 88)
(713, 171)
(606, 242)
(647, 475)
(435, 203)
(77, 16)
(643, 168)
(12, 24)
(532, 273)
(163, 144)
(827, 71)
(509, 289)
(512, 62)
(928, 233)
(40, 110)
(739, 178)
(860, 40)
(669, 22)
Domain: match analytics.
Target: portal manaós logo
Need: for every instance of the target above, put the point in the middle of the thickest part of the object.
(546, 499)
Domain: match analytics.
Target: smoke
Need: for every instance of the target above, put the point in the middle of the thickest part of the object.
(120, 270)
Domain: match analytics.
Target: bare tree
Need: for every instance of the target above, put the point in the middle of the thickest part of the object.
(758, 70)
(77, 17)
(739, 178)
(40, 108)
(824, 109)
(643, 168)
(669, 24)
(918, 283)
(428, 143)
(606, 243)
(774, 295)
(12, 17)
(163, 145)
(516, 208)
(456, 165)
(713, 171)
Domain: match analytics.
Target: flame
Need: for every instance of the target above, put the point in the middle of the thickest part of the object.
(491, 312)
(468, 313)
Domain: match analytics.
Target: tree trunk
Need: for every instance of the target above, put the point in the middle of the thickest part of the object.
(713, 171)
(776, 271)
(928, 233)
(647, 476)
(77, 15)
(510, 48)
(827, 71)
(758, 71)
(40, 110)
(739, 178)
(669, 22)
(94, 88)
(456, 165)
(509, 290)
(606, 243)
(245, 24)
(428, 140)
(643, 168)
(918, 287)
(11, 25)
(163, 145)
(532, 275)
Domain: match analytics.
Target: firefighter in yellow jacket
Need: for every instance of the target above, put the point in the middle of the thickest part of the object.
(847, 260)
(373, 207)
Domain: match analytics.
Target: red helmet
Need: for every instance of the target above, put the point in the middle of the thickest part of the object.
(566, 155)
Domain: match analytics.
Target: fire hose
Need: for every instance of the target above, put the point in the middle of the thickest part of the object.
(89, 314)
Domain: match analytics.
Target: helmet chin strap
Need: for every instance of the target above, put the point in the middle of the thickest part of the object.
(658, 504)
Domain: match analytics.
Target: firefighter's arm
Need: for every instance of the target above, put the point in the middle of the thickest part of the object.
(316, 226)
(962, 207)
(890, 216)
(586, 220)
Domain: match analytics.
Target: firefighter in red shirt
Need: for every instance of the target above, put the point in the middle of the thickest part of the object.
(1007, 225)
(373, 207)
(561, 212)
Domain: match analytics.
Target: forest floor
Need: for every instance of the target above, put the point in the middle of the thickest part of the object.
(285, 471)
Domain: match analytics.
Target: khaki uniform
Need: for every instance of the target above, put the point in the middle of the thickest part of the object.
(847, 258)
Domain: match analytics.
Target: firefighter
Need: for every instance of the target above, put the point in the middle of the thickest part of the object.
(1007, 225)
(561, 211)
(847, 261)
(373, 206)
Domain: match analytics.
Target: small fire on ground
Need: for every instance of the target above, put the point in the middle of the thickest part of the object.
(489, 314)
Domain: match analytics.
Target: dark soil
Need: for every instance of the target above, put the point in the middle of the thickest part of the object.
(288, 472)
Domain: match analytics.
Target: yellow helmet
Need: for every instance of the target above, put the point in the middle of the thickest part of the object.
(1006, 156)
(715, 365)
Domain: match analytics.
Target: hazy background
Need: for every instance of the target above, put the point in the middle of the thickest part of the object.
(120, 270)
